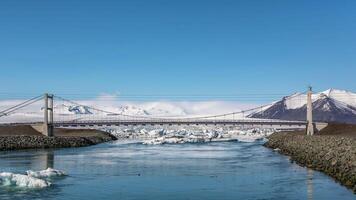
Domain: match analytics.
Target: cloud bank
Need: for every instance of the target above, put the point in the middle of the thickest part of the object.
(113, 103)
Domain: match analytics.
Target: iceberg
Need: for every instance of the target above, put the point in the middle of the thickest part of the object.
(154, 135)
(23, 181)
(48, 173)
(203, 136)
(32, 179)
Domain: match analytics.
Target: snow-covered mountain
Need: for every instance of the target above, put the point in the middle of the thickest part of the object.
(71, 109)
(130, 110)
(150, 110)
(329, 106)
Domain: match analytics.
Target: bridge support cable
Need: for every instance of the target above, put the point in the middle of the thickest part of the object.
(109, 114)
(19, 106)
(101, 115)
(64, 112)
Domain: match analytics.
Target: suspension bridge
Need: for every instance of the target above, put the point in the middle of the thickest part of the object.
(58, 112)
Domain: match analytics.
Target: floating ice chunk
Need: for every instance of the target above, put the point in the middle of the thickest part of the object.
(46, 173)
(156, 133)
(178, 140)
(164, 140)
(243, 138)
(192, 134)
(204, 135)
(20, 180)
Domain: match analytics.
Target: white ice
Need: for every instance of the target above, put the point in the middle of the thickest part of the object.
(31, 180)
(345, 97)
(48, 173)
(153, 135)
(23, 181)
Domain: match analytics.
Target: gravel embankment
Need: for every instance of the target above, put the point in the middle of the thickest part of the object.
(30, 137)
(333, 155)
(35, 142)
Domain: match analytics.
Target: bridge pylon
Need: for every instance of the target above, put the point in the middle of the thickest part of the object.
(310, 126)
(48, 126)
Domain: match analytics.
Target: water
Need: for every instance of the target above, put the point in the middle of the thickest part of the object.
(126, 170)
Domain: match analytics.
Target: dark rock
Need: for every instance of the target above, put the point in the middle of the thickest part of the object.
(333, 155)
(35, 142)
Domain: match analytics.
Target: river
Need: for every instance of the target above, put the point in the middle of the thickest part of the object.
(131, 170)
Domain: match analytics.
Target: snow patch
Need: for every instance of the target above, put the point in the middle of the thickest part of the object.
(295, 101)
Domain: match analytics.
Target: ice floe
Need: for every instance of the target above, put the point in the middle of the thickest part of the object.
(31, 180)
(190, 134)
(23, 181)
(48, 173)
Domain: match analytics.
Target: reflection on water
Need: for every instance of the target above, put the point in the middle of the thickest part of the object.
(124, 170)
(44, 160)
(310, 184)
(27, 159)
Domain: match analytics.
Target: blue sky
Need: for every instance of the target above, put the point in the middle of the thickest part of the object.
(195, 47)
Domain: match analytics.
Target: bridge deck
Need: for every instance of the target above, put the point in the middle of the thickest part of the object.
(180, 122)
(251, 123)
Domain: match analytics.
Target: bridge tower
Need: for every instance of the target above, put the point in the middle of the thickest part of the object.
(48, 115)
(310, 127)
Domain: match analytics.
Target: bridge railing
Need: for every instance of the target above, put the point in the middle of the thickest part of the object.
(167, 121)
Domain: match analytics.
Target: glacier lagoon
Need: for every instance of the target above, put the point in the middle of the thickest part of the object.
(128, 169)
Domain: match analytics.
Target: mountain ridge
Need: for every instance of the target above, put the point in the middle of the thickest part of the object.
(331, 105)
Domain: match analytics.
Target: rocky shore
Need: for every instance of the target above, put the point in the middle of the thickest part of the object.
(35, 142)
(332, 154)
(29, 137)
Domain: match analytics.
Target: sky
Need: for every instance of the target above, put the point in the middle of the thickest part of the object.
(160, 49)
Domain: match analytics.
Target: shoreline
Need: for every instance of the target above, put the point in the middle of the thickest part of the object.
(29, 137)
(9, 143)
(333, 155)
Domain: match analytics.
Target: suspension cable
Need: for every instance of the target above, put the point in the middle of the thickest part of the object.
(104, 111)
(21, 105)
(182, 118)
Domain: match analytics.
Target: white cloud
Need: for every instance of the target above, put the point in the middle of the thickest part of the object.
(112, 103)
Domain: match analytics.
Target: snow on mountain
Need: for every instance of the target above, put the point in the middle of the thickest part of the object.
(298, 100)
(79, 110)
(329, 106)
(129, 110)
(150, 109)
(344, 96)
(71, 109)
(164, 109)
